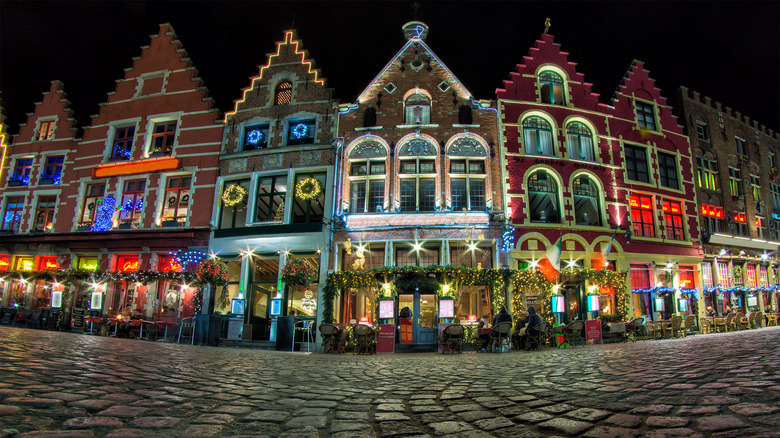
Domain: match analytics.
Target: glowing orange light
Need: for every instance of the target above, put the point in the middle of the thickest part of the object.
(363, 319)
(143, 166)
(130, 266)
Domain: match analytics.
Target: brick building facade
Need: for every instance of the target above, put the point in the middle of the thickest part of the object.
(736, 164)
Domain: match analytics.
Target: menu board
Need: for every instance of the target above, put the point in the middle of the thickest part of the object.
(593, 331)
(386, 310)
(77, 314)
(446, 308)
(386, 341)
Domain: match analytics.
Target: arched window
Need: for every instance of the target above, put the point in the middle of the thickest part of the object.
(367, 177)
(580, 141)
(551, 85)
(543, 198)
(467, 175)
(418, 109)
(537, 134)
(586, 202)
(417, 171)
(283, 94)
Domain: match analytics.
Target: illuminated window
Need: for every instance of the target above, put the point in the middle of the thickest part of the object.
(755, 187)
(707, 174)
(52, 170)
(741, 147)
(667, 169)
(775, 189)
(300, 132)
(537, 135)
(371, 258)
(462, 254)
(418, 185)
(645, 115)
(127, 263)
(132, 202)
(123, 142)
(706, 274)
(92, 198)
(367, 186)
(763, 277)
(713, 217)
(636, 163)
(586, 202)
(551, 88)
(255, 137)
(673, 219)
(735, 182)
(642, 215)
(177, 199)
(752, 281)
(233, 217)
(467, 184)
(44, 213)
(12, 216)
(702, 131)
(417, 110)
(269, 202)
(761, 228)
(283, 94)
(724, 279)
(408, 256)
(45, 130)
(21, 173)
(163, 136)
(309, 212)
(739, 224)
(580, 141)
(543, 198)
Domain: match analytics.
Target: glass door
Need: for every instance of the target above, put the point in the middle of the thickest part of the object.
(423, 315)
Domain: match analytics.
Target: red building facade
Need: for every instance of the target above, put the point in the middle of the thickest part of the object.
(579, 170)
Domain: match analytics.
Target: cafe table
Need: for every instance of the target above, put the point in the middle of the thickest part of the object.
(91, 320)
(164, 324)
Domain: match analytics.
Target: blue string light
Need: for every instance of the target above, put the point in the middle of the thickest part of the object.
(300, 131)
(185, 257)
(254, 136)
(105, 213)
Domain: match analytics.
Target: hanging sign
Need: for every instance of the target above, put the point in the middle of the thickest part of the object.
(56, 299)
(446, 307)
(96, 303)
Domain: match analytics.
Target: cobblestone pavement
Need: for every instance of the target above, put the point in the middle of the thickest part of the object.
(67, 385)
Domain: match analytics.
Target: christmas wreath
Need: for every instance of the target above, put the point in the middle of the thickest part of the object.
(737, 272)
(233, 195)
(308, 189)
(300, 130)
(298, 272)
(213, 271)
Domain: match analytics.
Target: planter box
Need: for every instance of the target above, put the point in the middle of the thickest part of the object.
(15, 183)
(84, 228)
(127, 226)
(46, 181)
(169, 224)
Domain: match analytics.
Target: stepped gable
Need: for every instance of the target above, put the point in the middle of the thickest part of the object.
(290, 51)
(546, 52)
(164, 67)
(53, 104)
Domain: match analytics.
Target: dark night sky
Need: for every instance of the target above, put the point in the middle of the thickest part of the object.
(729, 51)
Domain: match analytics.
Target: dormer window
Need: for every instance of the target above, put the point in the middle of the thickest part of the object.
(645, 115)
(283, 94)
(551, 88)
(418, 109)
(45, 130)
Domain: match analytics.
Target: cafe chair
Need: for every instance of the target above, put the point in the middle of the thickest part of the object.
(452, 339)
(674, 328)
(331, 339)
(634, 329)
(502, 336)
(364, 339)
(573, 333)
(690, 321)
(186, 330)
(303, 331)
(540, 340)
(651, 332)
(758, 319)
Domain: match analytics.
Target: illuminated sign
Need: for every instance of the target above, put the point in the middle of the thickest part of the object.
(88, 264)
(386, 309)
(660, 305)
(558, 304)
(56, 298)
(5, 263)
(593, 303)
(135, 167)
(96, 303)
(25, 264)
(127, 263)
(682, 304)
(47, 263)
(446, 308)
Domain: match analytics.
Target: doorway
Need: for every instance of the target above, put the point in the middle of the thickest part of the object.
(424, 316)
(573, 300)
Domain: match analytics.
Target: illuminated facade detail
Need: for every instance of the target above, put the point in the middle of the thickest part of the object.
(283, 93)
(551, 88)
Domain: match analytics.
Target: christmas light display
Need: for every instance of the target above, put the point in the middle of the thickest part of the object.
(104, 216)
(184, 258)
(308, 189)
(300, 131)
(254, 136)
(298, 272)
(233, 195)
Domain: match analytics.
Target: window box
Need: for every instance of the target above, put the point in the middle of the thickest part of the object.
(125, 226)
(46, 181)
(15, 183)
(84, 228)
(169, 223)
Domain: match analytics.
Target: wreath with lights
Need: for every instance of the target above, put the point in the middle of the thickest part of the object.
(300, 130)
(738, 271)
(233, 195)
(308, 189)
(254, 136)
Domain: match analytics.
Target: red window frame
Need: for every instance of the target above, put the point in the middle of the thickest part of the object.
(92, 194)
(44, 212)
(643, 215)
(673, 219)
(163, 136)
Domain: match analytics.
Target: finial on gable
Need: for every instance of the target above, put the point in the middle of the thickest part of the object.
(547, 25)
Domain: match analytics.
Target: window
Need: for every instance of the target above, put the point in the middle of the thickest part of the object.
(177, 199)
(132, 202)
(255, 137)
(300, 132)
(713, 217)
(44, 213)
(761, 231)
(543, 198)
(12, 216)
(551, 88)
(537, 135)
(755, 187)
(467, 185)
(775, 189)
(163, 135)
(283, 94)
(309, 211)
(92, 198)
(408, 256)
(367, 186)
(702, 131)
(741, 148)
(724, 279)
(642, 212)
(269, 203)
(580, 141)
(645, 115)
(636, 163)
(22, 170)
(52, 170)
(123, 142)
(418, 110)
(586, 202)
(464, 115)
(667, 169)
(45, 130)
(735, 182)
(418, 192)
(706, 274)
(707, 174)
(233, 217)
(763, 277)
(774, 230)
(739, 224)
(369, 117)
(752, 281)
(371, 258)
(673, 219)
(462, 254)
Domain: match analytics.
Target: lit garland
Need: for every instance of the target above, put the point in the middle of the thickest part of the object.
(254, 136)
(184, 258)
(308, 189)
(508, 237)
(73, 275)
(233, 195)
(532, 280)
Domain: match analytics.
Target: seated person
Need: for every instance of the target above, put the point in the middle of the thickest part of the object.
(137, 314)
(501, 316)
(520, 328)
(532, 328)
(483, 331)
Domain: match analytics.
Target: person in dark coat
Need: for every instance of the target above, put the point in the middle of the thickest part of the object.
(532, 328)
(501, 316)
